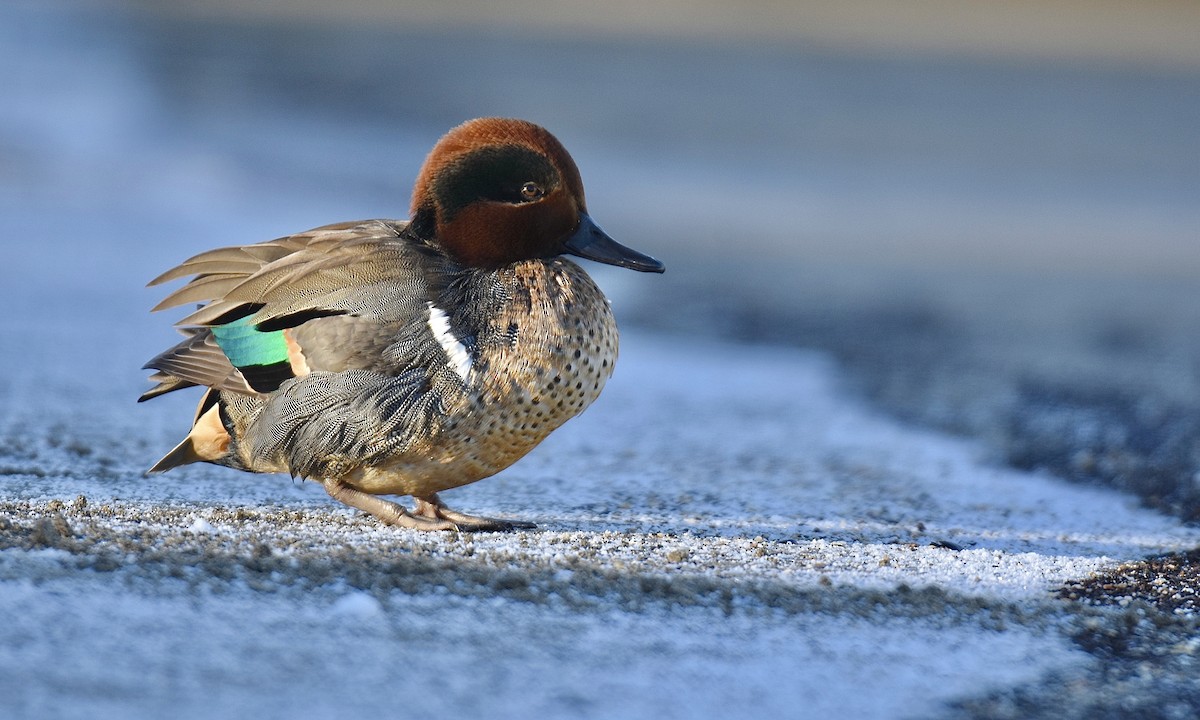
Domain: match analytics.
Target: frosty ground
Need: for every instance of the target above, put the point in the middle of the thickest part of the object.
(734, 531)
(731, 528)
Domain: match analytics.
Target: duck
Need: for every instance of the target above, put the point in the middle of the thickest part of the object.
(404, 358)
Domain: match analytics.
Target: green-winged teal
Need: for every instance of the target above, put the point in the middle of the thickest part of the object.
(386, 357)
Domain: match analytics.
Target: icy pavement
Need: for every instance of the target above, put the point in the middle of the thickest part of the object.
(725, 528)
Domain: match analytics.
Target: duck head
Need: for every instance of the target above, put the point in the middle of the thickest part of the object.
(495, 191)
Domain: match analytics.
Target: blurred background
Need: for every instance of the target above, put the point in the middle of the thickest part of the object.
(989, 212)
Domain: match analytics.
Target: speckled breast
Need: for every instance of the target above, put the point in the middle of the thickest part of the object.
(544, 358)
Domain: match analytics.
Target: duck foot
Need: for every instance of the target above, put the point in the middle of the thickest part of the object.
(432, 507)
(387, 511)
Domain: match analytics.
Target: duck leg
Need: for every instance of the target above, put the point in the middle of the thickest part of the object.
(388, 512)
(432, 507)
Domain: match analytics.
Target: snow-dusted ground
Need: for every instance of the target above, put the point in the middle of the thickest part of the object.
(727, 531)
(725, 528)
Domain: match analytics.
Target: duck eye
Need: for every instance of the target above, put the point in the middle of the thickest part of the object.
(531, 191)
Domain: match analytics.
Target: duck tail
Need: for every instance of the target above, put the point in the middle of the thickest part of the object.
(183, 454)
(207, 442)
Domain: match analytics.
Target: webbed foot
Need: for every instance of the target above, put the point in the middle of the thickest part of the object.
(431, 507)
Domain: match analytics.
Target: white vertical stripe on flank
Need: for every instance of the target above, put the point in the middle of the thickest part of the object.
(456, 352)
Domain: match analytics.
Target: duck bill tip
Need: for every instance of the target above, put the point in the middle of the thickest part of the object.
(590, 242)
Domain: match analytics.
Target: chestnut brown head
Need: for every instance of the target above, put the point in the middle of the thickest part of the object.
(495, 191)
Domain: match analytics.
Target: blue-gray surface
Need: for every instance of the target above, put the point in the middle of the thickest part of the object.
(1000, 246)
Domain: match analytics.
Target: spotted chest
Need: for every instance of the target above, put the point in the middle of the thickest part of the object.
(543, 356)
(556, 350)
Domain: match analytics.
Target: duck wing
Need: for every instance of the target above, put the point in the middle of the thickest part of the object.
(332, 298)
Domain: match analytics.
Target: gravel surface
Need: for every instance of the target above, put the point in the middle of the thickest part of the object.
(982, 243)
(757, 535)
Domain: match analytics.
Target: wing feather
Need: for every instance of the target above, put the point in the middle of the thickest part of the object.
(197, 360)
(204, 287)
(370, 272)
(364, 267)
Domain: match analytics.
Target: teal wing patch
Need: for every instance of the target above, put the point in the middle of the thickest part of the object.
(262, 357)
